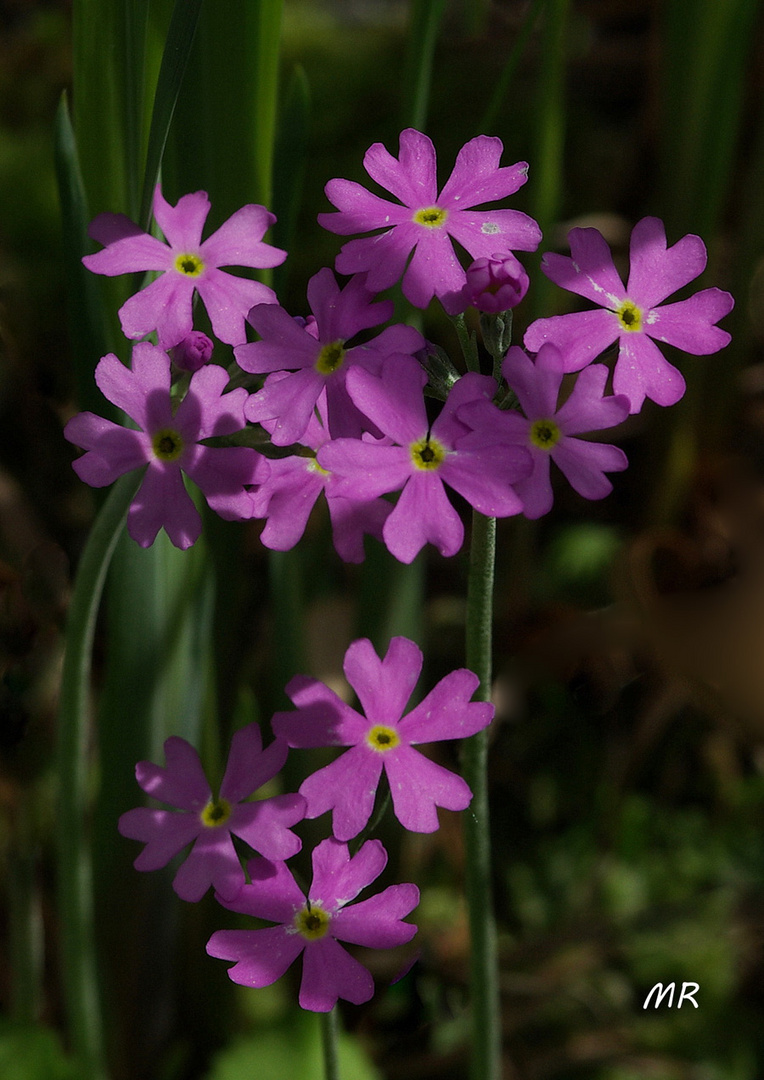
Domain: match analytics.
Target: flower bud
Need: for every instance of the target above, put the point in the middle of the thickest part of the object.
(193, 352)
(495, 284)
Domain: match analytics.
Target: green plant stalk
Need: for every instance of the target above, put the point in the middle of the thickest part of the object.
(425, 20)
(329, 1045)
(24, 917)
(484, 971)
(80, 974)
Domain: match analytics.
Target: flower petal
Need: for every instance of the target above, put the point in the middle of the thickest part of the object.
(359, 210)
(322, 717)
(423, 514)
(657, 271)
(587, 409)
(383, 686)
(163, 502)
(211, 862)
(688, 324)
(228, 299)
(476, 176)
(348, 787)
(585, 463)
(643, 371)
(262, 955)
(411, 177)
(239, 240)
(418, 786)
(112, 450)
(376, 922)
(329, 973)
(273, 893)
(164, 832)
(589, 271)
(182, 224)
(249, 766)
(338, 877)
(447, 712)
(165, 306)
(266, 824)
(181, 782)
(580, 336)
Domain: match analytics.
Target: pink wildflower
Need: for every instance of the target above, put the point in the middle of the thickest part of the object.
(634, 316)
(209, 821)
(170, 444)
(424, 459)
(425, 222)
(187, 264)
(318, 355)
(548, 432)
(382, 738)
(495, 284)
(315, 925)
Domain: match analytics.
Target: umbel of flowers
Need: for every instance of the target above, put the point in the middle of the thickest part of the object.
(338, 395)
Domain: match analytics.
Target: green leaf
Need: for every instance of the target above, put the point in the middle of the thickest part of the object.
(32, 1052)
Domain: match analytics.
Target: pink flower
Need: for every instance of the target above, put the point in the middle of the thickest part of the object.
(210, 821)
(289, 493)
(187, 265)
(169, 443)
(632, 315)
(318, 355)
(425, 458)
(381, 738)
(315, 925)
(426, 223)
(548, 432)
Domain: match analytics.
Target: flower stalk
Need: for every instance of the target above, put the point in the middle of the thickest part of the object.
(484, 972)
(329, 1044)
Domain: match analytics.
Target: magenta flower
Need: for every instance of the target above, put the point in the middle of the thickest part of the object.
(425, 458)
(210, 821)
(289, 493)
(632, 315)
(548, 432)
(495, 284)
(170, 444)
(427, 223)
(192, 352)
(381, 738)
(315, 925)
(318, 356)
(187, 265)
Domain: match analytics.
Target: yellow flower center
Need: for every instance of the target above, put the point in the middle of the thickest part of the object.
(167, 445)
(545, 434)
(330, 358)
(629, 316)
(315, 467)
(383, 738)
(189, 264)
(216, 813)
(432, 217)
(427, 454)
(312, 921)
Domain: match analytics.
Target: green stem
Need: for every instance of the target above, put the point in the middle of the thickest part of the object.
(80, 973)
(329, 1045)
(484, 972)
(467, 343)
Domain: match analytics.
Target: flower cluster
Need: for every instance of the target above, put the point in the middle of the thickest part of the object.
(336, 401)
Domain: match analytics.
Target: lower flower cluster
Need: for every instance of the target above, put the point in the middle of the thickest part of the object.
(381, 738)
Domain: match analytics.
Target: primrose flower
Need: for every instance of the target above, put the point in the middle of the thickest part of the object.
(315, 925)
(317, 355)
(425, 459)
(548, 432)
(187, 264)
(192, 352)
(381, 738)
(634, 316)
(169, 444)
(210, 821)
(425, 222)
(289, 493)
